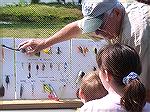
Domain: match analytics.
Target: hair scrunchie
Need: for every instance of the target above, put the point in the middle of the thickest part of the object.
(131, 76)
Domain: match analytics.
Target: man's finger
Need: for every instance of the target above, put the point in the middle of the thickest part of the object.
(30, 52)
(25, 45)
(21, 44)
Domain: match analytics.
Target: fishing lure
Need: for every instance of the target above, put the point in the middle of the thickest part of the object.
(95, 50)
(80, 49)
(2, 91)
(48, 51)
(21, 90)
(43, 67)
(37, 68)
(80, 76)
(29, 68)
(29, 76)
(65, 66)
(51, 65)
(58, 50)
(47, 88)
(7, 80)
(94, 68)
(38, 54)
(52, 95)
(85, 50)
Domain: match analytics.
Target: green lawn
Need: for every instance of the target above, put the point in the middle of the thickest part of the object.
(37, 20)
(30, 30)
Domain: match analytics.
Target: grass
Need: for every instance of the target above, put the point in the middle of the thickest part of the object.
(39, 13)
(33, 30)
(37, 20)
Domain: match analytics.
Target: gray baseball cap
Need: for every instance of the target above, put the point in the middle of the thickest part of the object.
(92, 11)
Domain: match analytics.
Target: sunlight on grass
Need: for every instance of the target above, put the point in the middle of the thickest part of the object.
(27, 33)
(29, 30)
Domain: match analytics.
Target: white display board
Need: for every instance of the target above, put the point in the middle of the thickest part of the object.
(83, 56)
(50, 75)
(52, 68)
(8, 73)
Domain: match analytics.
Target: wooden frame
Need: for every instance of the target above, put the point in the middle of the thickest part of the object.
(40, 104)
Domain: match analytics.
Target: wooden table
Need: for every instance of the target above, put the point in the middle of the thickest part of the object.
(40, 104)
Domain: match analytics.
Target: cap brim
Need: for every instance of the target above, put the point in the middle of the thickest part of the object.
(89, 24)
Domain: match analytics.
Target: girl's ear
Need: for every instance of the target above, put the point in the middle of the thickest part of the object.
(108, 76)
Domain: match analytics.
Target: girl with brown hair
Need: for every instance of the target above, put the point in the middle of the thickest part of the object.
(119, 70)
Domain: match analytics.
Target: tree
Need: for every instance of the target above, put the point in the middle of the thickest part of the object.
(79, 1)
(59, 1)
(35, 1)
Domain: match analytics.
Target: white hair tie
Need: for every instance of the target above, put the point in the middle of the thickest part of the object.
(131, 76)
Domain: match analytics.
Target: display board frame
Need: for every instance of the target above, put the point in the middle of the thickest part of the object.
(65, 101)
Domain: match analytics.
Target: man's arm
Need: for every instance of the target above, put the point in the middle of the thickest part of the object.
(35, 45)
(68, 32)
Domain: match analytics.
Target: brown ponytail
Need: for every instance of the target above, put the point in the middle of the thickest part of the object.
(134, 96)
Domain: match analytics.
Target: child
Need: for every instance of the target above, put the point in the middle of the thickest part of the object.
(91, 87)
(119, 70)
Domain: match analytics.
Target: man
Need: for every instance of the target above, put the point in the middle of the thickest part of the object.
(101, 18)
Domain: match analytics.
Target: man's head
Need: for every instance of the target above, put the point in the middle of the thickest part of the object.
(104, 17)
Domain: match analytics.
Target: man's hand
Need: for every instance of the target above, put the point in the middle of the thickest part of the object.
(33, 46)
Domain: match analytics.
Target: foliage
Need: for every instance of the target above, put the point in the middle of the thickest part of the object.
(34, 1)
